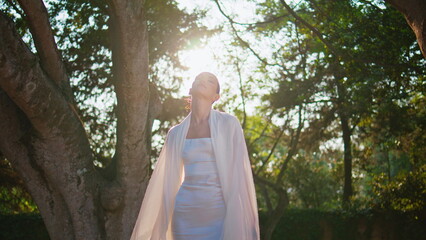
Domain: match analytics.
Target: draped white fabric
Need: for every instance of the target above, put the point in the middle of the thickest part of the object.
(233, 164)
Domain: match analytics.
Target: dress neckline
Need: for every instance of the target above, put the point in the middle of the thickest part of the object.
(197, 138)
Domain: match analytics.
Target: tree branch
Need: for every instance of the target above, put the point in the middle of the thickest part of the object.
(250, 145)
(312, 28)
(245, 43)
(293, 147)
(237, 65)
(129, 40)
(261, 180)
(415, 14)
(30, 89)
(50, 58)
(264, 162)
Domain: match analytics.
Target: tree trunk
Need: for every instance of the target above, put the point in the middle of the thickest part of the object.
(276, 215)
(346, 135)
(45, 141)
(415, 14)
(344, 113)
(130, 70)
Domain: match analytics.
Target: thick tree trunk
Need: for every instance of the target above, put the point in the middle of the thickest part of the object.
(50, 146)
(47, 145)
(129, 39)
(45, 141)
(415, 14)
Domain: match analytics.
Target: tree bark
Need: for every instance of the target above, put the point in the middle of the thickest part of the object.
(414, 12)
(134, 116)
(55, 144)
(13, 144)
(50, 58)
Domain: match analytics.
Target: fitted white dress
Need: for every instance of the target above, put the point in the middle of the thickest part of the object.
(199, 209)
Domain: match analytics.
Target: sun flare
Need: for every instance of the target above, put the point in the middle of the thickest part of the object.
(197, 60)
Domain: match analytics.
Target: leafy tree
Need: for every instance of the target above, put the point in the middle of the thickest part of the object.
(330, 61)
(311, 177)
(406, 192)
(339, 62)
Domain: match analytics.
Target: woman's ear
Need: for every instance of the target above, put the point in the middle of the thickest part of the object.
(217, 96)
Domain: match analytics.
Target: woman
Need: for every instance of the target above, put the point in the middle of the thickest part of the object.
(202, 185)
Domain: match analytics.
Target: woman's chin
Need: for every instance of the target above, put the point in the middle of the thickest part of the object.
(201, 98)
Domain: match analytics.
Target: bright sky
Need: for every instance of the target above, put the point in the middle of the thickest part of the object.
(205, 58)
(198, 60)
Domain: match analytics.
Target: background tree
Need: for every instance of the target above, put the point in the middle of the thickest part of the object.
(340, 62)
(344, 69)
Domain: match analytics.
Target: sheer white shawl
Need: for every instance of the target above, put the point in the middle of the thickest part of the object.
(235, 174)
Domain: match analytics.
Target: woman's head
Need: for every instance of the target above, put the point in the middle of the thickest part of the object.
(206, 86)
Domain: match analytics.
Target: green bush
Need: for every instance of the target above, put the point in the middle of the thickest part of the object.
(297, 224)
(311, 224)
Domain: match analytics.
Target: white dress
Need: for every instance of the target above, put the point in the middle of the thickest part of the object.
(199, 209)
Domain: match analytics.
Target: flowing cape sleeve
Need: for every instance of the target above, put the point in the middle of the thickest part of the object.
(241, 220)
(154, 217)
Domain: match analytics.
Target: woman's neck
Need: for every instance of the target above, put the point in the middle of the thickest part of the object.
(200, 110)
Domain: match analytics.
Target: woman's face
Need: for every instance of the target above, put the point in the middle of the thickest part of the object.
(205, 86)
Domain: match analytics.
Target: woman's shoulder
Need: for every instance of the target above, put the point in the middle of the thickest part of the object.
(228, 121)
(227, 117)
